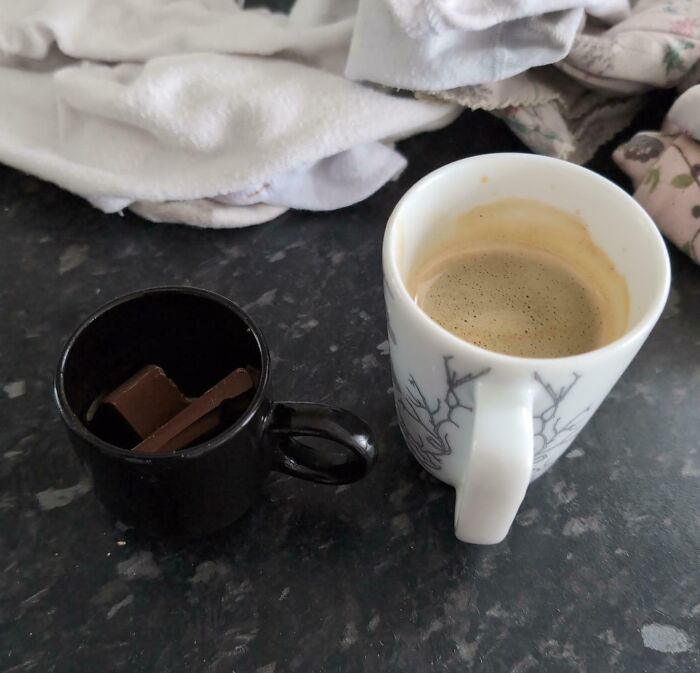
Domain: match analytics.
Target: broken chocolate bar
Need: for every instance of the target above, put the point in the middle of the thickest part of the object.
(149, 414)
(136, 409)
(200, 412)
(147, 400)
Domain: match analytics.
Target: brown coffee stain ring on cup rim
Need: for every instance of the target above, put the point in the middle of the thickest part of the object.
(530, 227)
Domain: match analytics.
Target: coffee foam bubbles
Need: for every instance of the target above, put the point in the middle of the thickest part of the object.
(520, 277)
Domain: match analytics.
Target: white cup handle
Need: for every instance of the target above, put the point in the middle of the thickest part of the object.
(499, 466)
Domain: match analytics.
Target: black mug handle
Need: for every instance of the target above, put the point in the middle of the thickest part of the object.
(291, 420)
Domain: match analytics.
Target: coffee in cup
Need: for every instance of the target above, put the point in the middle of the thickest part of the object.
(520, 277)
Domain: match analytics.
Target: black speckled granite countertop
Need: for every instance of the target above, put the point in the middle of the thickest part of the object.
(599, 573)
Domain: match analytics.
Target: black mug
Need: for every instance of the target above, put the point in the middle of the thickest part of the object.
(197, 337)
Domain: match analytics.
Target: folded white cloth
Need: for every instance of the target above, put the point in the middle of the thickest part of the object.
(436, 45)
(199, 111)
(213, 139)
(138, 30)
(423, 17)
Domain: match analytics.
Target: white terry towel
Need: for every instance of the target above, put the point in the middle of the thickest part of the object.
(435, 45)
(204, 113)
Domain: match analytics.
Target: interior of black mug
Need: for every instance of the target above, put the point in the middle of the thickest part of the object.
(196, 338)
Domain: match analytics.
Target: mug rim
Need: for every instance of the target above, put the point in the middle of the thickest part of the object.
(643, 325)
(75, 424)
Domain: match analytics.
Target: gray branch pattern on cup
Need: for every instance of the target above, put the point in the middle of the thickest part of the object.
(551, 431)
(430, 441)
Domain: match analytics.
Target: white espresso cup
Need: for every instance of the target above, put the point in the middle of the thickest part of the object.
(487, 423)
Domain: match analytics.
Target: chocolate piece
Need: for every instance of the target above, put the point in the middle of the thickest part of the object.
(132, 412)
(147, 400)
(197, 432)
(194, 421)
(104, 421)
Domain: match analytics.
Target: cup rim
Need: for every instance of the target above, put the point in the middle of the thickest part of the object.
(643, 325)
(75, 424)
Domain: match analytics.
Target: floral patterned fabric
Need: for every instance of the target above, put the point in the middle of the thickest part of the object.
(665, 169)
(654, 48)
(571, 109)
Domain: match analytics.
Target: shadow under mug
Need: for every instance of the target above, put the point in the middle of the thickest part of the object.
(197, 337)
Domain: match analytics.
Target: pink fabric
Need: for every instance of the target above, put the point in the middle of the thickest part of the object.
(665, 170)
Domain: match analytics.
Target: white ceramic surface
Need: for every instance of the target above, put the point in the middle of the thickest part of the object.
(486, 423)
